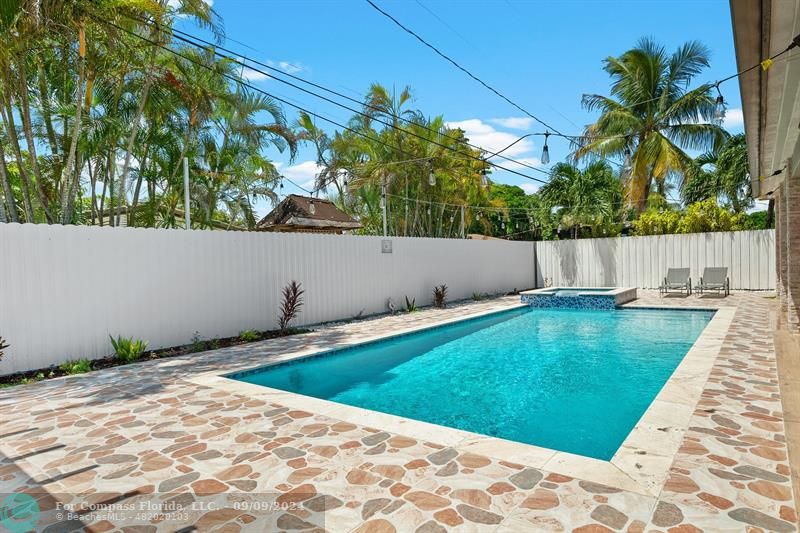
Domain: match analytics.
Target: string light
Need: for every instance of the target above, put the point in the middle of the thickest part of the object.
(719, 108)
(431, 177)
(546, 150)
(311, 207)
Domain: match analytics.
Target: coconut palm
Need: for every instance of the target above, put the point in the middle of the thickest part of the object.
(652, 116)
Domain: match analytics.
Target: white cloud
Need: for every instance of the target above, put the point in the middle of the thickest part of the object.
(303, 173)
(290, 68)
(514, 123)
(734, 119)
(529, 188)
(252, 75)
(487, 137)
(259, 73)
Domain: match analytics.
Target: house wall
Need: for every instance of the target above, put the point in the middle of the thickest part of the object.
(787, 207)
(65, 289)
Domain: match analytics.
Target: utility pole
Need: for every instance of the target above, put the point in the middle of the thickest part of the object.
(186, 206)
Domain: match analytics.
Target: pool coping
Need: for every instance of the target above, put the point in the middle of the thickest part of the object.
(639, 465)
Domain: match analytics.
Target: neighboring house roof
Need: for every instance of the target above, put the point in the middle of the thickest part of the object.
(294, 214)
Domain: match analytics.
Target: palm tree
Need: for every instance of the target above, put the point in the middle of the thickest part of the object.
(723, 174)
(590, 196)
(652, 116)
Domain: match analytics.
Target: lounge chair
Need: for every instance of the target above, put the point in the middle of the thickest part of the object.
(677, 280)
(715, 279)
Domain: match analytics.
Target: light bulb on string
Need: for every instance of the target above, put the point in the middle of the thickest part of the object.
(311, 207)
(431, 177)
(546, 150)
(719, 108)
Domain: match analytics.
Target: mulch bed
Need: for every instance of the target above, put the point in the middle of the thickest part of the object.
(55, 371)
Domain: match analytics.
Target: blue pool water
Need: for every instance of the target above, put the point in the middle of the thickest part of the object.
(570, 380)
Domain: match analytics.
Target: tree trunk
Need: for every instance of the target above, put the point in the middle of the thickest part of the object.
(12, 215)
(70, 187)
(46, 111)
(24, 180)
(27, 128)
(103, 197)
(111, 167)
(93, 192)
(137, 190)
(123, 178)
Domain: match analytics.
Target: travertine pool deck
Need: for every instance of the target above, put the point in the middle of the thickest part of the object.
(153, 431)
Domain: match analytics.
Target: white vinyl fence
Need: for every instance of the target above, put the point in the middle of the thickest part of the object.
(643, 261)
(65, 289)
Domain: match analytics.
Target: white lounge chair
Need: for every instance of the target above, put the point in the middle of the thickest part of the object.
(677, 280)
(715, 279)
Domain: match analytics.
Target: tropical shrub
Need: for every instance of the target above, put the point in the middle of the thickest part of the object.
(477, 296)
(655, 222)
(78, 366)
(249, 335)
(128, 349)
(440, 296)
(411, 305)
(756, 220)
(707, 216)
(3, 346)
(291, 304)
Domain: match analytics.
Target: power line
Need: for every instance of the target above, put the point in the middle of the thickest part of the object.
(464, 70)
(442, 21)
(317, 115)
(242, 60)
(474, 77)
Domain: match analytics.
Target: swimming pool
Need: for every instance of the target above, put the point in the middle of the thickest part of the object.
(569, 380)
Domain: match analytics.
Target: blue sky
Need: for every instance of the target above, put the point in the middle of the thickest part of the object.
(542, 55)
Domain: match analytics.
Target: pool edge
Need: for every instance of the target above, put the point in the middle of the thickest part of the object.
(641, 463)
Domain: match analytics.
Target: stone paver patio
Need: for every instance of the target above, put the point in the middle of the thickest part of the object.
(145, 432)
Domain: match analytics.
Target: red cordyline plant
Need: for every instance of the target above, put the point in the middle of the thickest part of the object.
(291, 304)
(440, 296)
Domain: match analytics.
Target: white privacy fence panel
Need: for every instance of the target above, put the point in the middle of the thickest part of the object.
(643, 261)
(65, 289)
